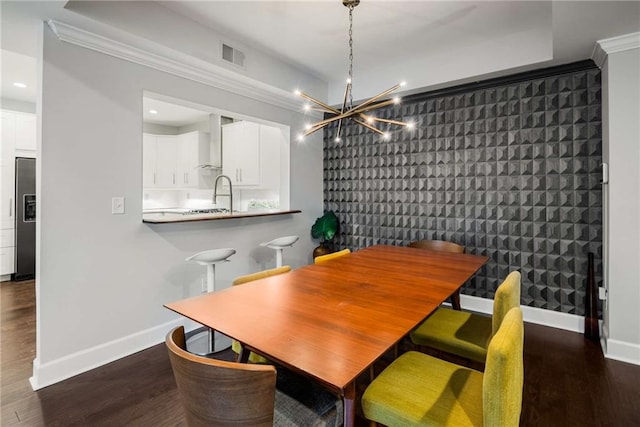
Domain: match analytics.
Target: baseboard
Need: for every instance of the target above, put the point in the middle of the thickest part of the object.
(5, 278)
(46, 374)
(540, 316)
(622, 351)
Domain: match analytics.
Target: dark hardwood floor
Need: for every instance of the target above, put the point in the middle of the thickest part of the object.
(567, 381)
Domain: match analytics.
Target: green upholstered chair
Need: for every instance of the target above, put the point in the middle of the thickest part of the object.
(464, 334)
(420, 390)
(324, 258)
(235, 345)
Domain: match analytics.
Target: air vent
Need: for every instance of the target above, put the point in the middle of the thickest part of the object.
(233, 56)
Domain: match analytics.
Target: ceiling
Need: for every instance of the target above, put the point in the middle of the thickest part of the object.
(422, 42)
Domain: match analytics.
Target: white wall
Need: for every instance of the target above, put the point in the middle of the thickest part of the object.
(103, 278)
(621, 150)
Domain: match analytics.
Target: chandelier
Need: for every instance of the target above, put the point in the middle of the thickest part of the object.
(359, 113)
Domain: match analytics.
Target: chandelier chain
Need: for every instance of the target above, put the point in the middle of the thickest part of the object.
(351, 55)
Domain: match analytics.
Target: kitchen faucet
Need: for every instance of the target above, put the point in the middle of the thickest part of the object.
(215, 192)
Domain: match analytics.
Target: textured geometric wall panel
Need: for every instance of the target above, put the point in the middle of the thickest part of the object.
(512, 172)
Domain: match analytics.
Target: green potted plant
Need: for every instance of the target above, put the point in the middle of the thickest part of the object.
(325, 228)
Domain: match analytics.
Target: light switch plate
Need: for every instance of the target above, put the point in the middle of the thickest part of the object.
(117, 205)
(602, 293)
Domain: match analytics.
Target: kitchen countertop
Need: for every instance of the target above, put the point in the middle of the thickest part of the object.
(165, 217)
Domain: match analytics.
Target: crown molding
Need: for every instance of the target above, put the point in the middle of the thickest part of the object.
(606, 47)
(171, 61)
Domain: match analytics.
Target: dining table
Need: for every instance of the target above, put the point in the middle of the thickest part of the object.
(331, 321)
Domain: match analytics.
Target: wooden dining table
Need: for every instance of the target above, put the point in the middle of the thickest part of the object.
(331, 321)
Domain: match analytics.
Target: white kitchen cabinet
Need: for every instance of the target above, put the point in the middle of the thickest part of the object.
(25, 132)
(271, 139)
(7, 251)
(159, 161)
(241, 153)
(166, 161)
(194, 152)
(171, 161)
(148, 160)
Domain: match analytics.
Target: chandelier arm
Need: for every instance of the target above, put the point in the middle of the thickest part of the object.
(393, 122)
(347, 91)
(319, 103)
(368, 126)
(338, 116)
(360, 109)
(378, 96)
(314, 128)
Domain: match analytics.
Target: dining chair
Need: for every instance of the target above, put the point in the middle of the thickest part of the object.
(324, 258)
(217, 392)
(442, 246)
(235, 345)
(420, 390)
(467, 335)
(221, 393)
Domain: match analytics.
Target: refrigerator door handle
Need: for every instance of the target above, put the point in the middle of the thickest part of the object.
(10, 206)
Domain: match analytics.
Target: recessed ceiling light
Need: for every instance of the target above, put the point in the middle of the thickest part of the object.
(20, 85)
(153, 112)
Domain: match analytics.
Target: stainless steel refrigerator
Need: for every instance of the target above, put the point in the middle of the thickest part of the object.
(25, 218)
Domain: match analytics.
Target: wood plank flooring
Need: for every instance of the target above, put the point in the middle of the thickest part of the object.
(567, 381)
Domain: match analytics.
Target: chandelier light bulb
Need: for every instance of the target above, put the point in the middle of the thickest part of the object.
(338, 139)
(386, 136)
(411, 125)
(300, 137)
(370, 120)
(396, 100)
(307, 126)
(306, 107)
(403, 84)
(297, 92)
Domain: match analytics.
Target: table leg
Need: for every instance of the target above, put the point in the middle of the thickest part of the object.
(349, 396)
(243, 357)
(455, 300)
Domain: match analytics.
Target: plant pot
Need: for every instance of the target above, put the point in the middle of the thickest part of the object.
(321, 250)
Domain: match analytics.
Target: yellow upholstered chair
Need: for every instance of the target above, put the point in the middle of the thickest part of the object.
(419, 390)
(324, 258)
(442, 246)
(464, 334)
(235, 345)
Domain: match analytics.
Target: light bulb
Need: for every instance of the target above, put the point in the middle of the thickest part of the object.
(348, 81)
(396, 100)
(337, 139)
(370, 119)
(403, 84)
(386, 136)
(411, 125)
(306, 107)
(307, 126)
(297, 92)
(300, 137)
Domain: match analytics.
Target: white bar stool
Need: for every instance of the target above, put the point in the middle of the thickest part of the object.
(279, 244)
(202, 341)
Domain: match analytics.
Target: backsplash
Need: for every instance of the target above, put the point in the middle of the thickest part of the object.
(511, 171)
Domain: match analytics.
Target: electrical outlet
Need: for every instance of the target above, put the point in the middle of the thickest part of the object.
(117, 205)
